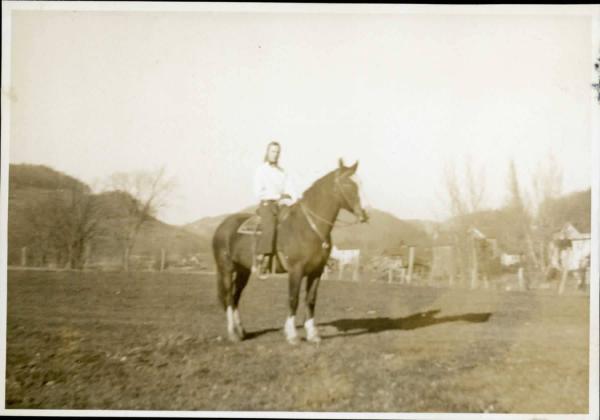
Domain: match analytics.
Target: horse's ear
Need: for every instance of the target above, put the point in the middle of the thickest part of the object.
(341, 163)
(353, 168)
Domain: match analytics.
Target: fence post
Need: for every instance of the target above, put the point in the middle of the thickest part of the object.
(475, 267)
(390, 274)
(411, 259)
(24, 256)
(86, 254)
(162, 259)
(587, 277)
(356, 267)
(521, 279)
(563, 280)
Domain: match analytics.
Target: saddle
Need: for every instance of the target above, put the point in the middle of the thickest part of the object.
(252, 225)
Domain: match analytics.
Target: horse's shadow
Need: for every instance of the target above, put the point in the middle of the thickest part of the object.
(360, 326)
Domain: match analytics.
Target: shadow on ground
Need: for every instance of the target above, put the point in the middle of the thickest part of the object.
(253, 334)
(360, 326)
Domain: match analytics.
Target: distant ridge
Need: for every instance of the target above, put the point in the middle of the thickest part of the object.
(384, 231)
(28, 184)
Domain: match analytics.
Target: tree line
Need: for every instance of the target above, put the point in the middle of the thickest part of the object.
(64, 216)
(529, 215)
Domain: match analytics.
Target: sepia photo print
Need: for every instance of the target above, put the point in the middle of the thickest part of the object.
(299, 210)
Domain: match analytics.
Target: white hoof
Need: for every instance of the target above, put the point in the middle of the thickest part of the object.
(234, 337)
(237, 325)
(233, 327)
(241, 333)
(312, 334)
(290, 330)
(294, 341)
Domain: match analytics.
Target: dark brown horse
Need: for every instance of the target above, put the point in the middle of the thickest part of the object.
(303, 247)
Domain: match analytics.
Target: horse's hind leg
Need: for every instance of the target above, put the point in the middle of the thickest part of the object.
(240, 281)
(226, 278)
(295, 280)
(312, 285)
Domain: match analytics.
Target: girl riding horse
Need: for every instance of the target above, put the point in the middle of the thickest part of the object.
(303, 245)
(272, 187)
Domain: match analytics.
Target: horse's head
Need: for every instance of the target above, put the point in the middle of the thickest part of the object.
(348, 190)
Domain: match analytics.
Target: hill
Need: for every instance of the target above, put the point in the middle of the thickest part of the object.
(40, 177)
(42, 206)
(206, 226)
(573, 207)
(502, 225)
(384, 231)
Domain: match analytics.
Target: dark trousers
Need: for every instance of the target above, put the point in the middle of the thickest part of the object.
(267, 210)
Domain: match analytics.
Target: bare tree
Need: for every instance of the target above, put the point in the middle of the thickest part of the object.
(80, 222)
(471, 197)
(39, 216)
(546, 186)
(519, 207)
(475, 186)
(547, 180)
(63, 223)
(143, 194)
(465, 196)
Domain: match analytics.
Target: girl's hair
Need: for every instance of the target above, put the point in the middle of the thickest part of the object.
(273, 143)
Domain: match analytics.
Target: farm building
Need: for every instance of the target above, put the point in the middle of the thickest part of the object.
(340, 258)
(509, 260)
(453, 253)
(570, 248)
(406, 263)
(443, 263)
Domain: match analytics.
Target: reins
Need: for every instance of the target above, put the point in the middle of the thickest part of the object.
(339, 223)
(324, 243)
(308, 212)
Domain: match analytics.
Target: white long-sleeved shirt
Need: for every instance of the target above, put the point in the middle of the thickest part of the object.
(270, 182)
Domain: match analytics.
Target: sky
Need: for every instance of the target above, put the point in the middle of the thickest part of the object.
(202, 93)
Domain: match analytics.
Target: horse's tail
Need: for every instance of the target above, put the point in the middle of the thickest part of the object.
(220, 246)
(222, 250)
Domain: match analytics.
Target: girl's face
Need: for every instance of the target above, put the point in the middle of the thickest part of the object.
(273, 153)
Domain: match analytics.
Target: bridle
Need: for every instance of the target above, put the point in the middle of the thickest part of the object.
(308, 212)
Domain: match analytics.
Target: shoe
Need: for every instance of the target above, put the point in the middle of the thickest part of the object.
(263, 267)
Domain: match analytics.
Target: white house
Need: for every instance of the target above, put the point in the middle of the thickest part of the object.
(570, 249)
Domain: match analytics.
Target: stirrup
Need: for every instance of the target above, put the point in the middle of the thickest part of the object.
(262, 267)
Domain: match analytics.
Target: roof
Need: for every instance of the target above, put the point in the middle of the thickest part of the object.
(568, 231)
(446, 238)
(476, 233)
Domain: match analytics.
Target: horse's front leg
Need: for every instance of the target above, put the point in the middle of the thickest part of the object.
(312, 285)
(294, 282)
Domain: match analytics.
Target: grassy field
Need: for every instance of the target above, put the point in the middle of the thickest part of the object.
(155, 341)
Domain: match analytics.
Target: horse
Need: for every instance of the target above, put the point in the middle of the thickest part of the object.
(303, 244)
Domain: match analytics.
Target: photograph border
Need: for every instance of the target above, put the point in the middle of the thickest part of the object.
(9, 7)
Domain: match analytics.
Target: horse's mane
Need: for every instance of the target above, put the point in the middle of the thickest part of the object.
(316, 186)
